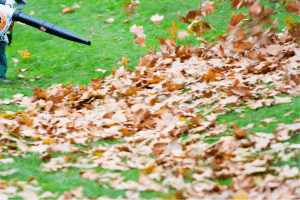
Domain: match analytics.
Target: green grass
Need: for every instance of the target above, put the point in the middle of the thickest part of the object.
(58, 181)
(255, 116)
(78, 62)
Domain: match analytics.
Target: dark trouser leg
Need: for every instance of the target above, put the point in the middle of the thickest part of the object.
(3, 61)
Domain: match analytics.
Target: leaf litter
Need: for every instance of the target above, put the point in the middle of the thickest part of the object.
(151, 107)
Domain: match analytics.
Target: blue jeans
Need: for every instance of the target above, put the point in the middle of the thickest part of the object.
(3, 61)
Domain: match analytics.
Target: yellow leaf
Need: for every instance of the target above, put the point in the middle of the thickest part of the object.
(48, 141)
(126, 4)
(242, 195)
(149, 169)
(182, 119)
(173, 30)
(35, 137)
(8, 115)
(124, 61)
(25, 54)
(98, 154)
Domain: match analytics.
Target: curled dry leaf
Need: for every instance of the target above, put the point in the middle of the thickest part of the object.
(139, 35)
(22, 70)
(68, 10)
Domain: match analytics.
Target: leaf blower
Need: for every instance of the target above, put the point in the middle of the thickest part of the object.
(8, 14)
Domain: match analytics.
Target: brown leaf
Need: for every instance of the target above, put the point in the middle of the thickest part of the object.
(238, 4)
(67, 10)
(237, 131)
(207, 7)
(22, 70)
(293, 7)
(236, 18)
(183, 19)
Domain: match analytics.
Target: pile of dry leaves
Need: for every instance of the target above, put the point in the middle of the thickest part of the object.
(149, 109)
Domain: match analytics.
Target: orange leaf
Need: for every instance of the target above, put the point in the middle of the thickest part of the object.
(236, 18)
(68, 10)
(124, 61)
(211, 76)
(238, 131)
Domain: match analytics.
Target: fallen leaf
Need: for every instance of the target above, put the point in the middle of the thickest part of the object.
(138, 31)
(22, 70)
(182, 34)
(241, 196)
(25, 54)
(282, 100)
(110, 20)
(157, 18)
(68, 10)
(21, 76)
(237, 131)
(7, 160)
(268, 120)
(75, 5)
(100, 70)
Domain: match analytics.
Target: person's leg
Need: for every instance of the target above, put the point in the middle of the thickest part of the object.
(3, 61)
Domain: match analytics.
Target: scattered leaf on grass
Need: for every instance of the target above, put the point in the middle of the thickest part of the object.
(268, 120)
(157, 18)
(68, 10)
(100, 70)
(75, 5)
(21, 76)
(25, 54)
(110, 20)
(15, 60)
(22, 69)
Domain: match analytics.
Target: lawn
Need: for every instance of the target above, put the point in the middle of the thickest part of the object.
(72, 173)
